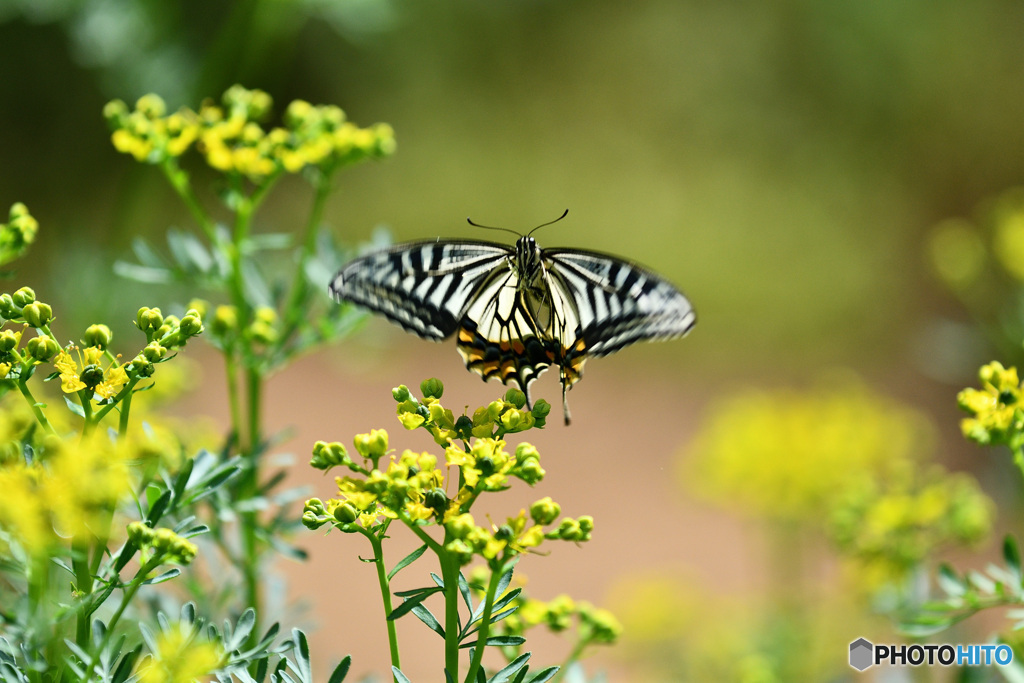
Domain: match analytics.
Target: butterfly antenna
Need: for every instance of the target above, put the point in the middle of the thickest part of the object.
(491, 227)
(564, 214)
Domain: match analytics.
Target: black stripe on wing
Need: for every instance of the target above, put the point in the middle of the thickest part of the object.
(425, 287)
(618, 302)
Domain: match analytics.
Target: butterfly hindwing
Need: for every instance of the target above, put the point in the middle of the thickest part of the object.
(618, 302)
(425, 287)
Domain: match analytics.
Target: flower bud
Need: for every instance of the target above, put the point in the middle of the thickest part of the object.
(436, 500)
(140, 534)
(346, 513)
(142, 366)
(225, 320)
(151, 105)
(42, 349)
(7, 307)
(461, 551)
(432, 388)
(400, 393)
(149, 319)
(515, 397)
(545, 511)
(154, 352)
(541, 409)
(37, 314)
(191, 324)
(24, 296)
(9, 340)
(461, 526)
(98, 336)
(115, 112)
(372, 445)
(91, 375)
(328, 455)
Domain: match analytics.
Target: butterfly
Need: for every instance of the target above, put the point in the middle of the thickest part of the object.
(517, 310)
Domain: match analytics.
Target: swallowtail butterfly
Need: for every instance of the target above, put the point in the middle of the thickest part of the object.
(517, 310)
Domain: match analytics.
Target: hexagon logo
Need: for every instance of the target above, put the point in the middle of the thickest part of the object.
(860, 654)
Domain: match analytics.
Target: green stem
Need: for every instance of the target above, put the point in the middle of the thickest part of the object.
(126, 407)
(37, 408)
(180, 182)
(126, 599)
(294, 310)
(485, 625)
(83, 583)
(85, 399)
(122, 395)
(385, 594)
(577, 650)
(450, 575)
(231, 369)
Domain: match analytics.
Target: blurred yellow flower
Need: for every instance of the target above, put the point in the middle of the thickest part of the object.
(180, 658)
(786, 454)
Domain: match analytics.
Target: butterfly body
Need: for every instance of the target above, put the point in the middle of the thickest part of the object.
(516, 311)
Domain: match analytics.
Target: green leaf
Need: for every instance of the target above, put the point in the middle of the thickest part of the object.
(242, 629)
(133, 271)
(157, 509)
(123, 670)
(75, 407)
(189, 252)
(949, 581)
(146, 254)
(1012, 556)
(513, 666)
(181, 480)
(467, 596)
(409, 603)
(340, 671)
(399, 676)
(257, 293)
(407, 560)
(267, 241)
(544, 675)
(424, 615)
(166, 576)
(500, 641)
(303, 667)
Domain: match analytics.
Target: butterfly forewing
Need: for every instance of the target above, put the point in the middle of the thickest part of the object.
(619, 303)
(425, 287)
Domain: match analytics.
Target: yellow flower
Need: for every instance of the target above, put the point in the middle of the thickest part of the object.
(89, 373)
(787, 454)
(180, 658)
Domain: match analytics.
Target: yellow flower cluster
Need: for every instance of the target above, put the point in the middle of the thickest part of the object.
(888, 527)
(507, 416)
(161, 545)
(232, 139)
(17, 233)
(786, 455)
(594, 625)
(414, 486)
(995, 408)
(69, 490)
(180, 656)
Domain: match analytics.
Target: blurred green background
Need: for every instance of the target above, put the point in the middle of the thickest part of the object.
(783, 162)
(779, 161)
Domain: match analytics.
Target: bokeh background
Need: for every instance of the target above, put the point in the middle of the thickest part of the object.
(786, 163)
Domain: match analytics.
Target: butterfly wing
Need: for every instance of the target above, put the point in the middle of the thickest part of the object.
(617, 303)
(426, 287)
